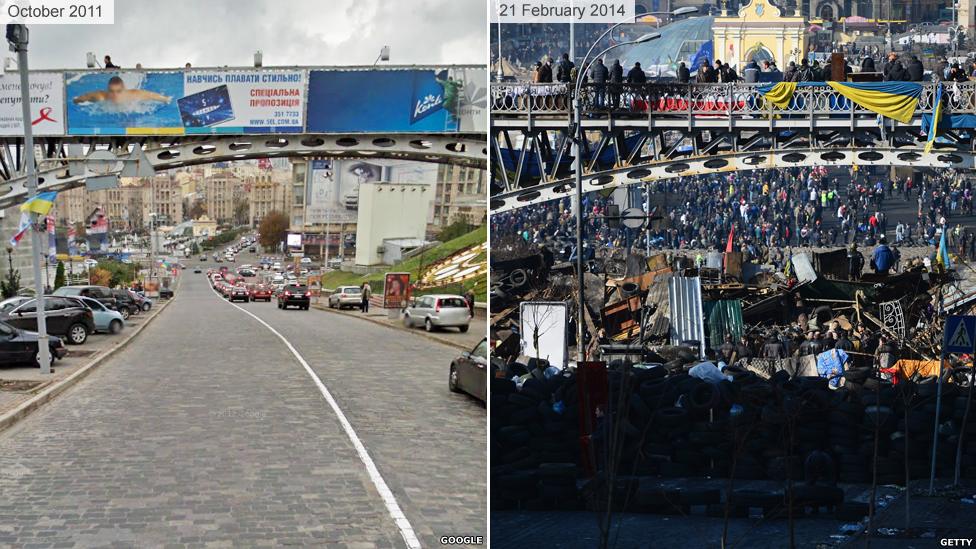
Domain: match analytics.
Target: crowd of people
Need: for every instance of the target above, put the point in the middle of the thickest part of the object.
(765, 212)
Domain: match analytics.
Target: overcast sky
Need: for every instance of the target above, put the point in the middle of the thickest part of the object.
(171, 33)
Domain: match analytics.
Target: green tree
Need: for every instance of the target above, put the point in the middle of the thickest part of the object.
(273, 230)
(194, 249)
(59, 276)
(242, 211)
(10, 284)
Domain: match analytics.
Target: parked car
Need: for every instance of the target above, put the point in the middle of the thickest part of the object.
(142, 301)
(106, 320)
(346, 296)
(125, 304)
(469, 372)
(260, 292)
(251, 249)
(11, 303)
(438, 311)
(64, 316)
(100, 293)
(203, 258)
(238, 293)
(166, 293)
(294, 295)
(20, 346)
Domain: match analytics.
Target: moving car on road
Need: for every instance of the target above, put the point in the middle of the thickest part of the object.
(238, 293)
(260, 292)
(20, 346)
(106, 320)
(65, 316)
(294, 295)
(346, 296)
(469, 372)
(438, 311)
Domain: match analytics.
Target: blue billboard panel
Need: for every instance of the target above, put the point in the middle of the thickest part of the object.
(123, 102)
(387, 101)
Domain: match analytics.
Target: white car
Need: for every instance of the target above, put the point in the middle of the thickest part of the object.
(276, 266)
(306, 261)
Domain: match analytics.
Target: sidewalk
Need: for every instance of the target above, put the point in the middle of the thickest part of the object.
(477, 330)
(24, 388)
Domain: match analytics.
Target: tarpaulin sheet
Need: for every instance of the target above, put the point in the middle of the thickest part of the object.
(724, 318)
(830, 364)
(925, 368)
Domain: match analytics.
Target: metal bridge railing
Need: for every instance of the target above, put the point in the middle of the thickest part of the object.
(673, 100)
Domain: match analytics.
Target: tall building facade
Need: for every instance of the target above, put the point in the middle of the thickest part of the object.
(267, 192)
(459, 195)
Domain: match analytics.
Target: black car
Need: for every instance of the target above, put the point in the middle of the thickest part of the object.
(165, 293)
(469, 372)
(239, 293)
(125, 303)
(100, 293)
(294, 295)
(20, 346)
(65, 316)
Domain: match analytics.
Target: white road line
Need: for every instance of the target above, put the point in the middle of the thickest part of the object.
(406, 530)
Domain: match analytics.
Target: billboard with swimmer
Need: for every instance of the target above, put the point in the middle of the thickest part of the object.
(185, 102)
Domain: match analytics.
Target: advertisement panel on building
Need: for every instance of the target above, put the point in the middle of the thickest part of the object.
(394, 100)
(185, 102)
(332, 195)
(47, 104)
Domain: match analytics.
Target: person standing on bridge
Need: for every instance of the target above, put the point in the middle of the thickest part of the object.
(616, 83)
(636, 75)
(599, 75)
(684, 75)
(564, 69)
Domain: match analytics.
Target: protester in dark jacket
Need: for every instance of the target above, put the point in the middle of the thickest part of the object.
(893, 70)
(545, 73)
(684, 75)
(751, 73)
(636, 75)
(867, 64)
(564, 68)
(599, 75)
(915, 69)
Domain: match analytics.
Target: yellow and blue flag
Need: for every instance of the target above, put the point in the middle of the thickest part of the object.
(897, 100)
(942, 256)
(40, 204)
(936, 118)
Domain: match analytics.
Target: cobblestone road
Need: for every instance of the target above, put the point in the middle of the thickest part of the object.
(207, 432)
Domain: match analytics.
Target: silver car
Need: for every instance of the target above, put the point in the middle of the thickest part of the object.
(438, 311)
(346, 296)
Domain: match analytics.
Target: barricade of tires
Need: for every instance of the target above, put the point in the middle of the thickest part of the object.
(663, 423)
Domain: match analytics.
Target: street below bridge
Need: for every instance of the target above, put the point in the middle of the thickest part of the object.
(208, 429)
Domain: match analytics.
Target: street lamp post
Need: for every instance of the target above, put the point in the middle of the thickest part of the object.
(578, 177)
(17, 36)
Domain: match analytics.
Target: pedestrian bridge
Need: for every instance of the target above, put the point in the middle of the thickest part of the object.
(170, 118)
(637, 134)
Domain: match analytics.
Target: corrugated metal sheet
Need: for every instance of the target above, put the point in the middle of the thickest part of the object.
(724, 318)
(803, 268)
(687, 322)
(657, 297)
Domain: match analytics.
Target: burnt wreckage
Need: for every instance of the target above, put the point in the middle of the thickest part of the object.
(797, 370)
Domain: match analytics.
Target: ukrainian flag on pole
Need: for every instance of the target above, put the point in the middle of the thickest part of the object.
(936, 118)
(41, 204)
(942, 256)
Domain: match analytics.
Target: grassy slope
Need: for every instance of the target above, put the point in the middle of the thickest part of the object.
(478, 285)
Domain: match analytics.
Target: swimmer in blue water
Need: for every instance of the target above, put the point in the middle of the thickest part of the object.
(118, 94)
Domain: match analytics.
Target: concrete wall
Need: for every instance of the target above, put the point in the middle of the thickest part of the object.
(388, 210)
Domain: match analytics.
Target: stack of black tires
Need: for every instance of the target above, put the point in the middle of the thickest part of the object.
(660, 423)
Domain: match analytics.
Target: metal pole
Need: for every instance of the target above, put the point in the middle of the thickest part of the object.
(43, 351)
(647, 221)
(578, 177)
(938, 410)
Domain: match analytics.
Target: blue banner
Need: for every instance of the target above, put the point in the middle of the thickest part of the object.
(391, 101)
